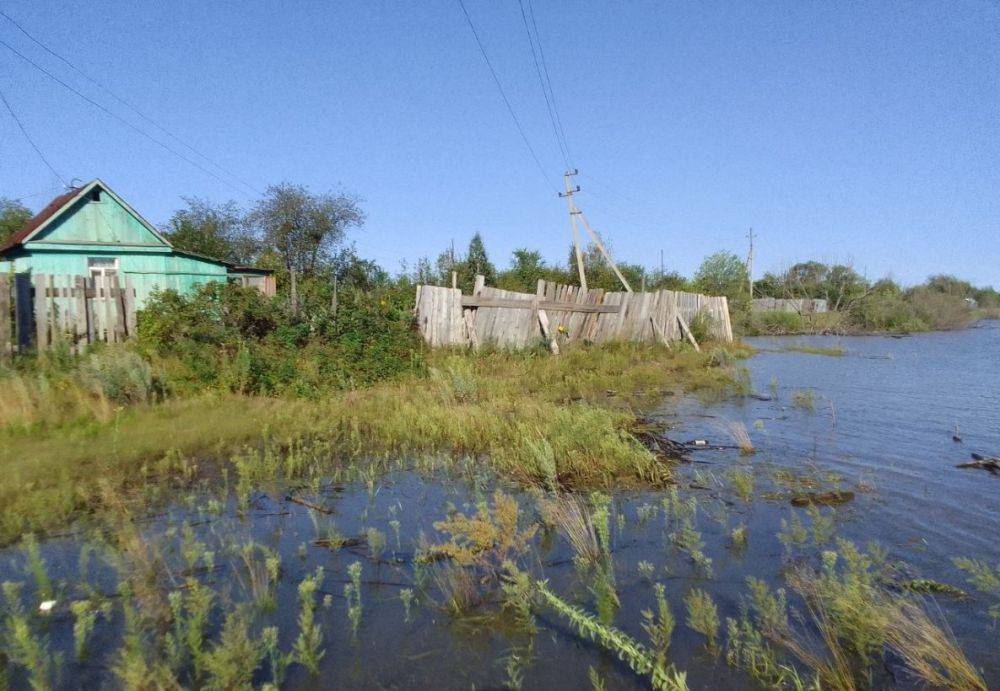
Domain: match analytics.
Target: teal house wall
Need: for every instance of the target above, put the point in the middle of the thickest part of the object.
(92, 223)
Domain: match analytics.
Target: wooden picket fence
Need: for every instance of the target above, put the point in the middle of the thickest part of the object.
(559, 312)
(38, 311)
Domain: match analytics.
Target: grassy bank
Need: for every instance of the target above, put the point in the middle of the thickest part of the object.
(556, 421)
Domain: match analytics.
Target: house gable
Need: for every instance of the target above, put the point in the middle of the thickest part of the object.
(96, 216)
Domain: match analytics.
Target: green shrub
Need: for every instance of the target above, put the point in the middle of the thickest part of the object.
(237, 339)
(122, 375)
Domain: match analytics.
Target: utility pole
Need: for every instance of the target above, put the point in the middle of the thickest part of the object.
(662, 271)
(750, 263)
(573, 213)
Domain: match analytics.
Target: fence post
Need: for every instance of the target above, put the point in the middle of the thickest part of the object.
(79, 294)
(41, 313)
(5, 344)
(129, 303)
(119, 300)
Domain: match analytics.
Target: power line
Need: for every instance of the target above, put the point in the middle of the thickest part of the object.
(31, 141)
(114, 115)
(541, 82)
(503, 94)
(548, 79)
(125, 103)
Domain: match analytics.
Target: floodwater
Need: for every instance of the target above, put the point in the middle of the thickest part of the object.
(880, 423)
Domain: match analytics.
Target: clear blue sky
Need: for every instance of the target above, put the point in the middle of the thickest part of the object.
(866, 132)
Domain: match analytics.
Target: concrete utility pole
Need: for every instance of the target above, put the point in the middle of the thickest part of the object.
(750, 263)
(573, 213)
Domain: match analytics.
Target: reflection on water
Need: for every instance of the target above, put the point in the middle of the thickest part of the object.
(881, 425)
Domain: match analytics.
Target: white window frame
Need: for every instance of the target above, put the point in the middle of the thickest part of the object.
(102, 270)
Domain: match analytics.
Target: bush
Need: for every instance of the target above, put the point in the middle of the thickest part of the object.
(122, 375)
(237, 339)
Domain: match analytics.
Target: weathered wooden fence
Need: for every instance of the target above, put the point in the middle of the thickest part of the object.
(560, 312)
(38, 311)
(800, 306)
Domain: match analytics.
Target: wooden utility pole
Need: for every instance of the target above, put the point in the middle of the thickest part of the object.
(573, 213)
(750, 263)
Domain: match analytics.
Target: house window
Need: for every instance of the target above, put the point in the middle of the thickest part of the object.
(95, 195)
(101, 267)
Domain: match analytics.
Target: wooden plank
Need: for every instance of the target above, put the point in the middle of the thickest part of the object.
(552, 305)
(118, 300)
(109, 310)
(129, 303)
(52, 304)
(470, 327)
(41, 312)
(687, 332)
(543, 322)
(93, 314)
(80, 307)
(480, 283)
(6, 347)
(658, 331)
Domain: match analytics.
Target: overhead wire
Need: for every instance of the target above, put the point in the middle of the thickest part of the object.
(31, 141)
(548, 80)
(503, 95)
(114, 115)
(541, 83)
(124, 102)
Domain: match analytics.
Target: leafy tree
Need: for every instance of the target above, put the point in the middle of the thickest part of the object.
(526, 267)
(722, 273)
(217, 230)
(302, 228)
(13, 215)
(949, 285)
(769, 286)
(476, 263)
(806, 279)
(668, 280)
(843, 285)
(424, 274)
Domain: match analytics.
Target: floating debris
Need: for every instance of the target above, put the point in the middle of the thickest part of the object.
(983, 463)
(833, 498)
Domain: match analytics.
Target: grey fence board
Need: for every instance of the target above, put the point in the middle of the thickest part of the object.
(76, 310)
(496, 318)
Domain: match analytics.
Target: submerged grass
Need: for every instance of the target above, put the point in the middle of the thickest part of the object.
(835, 351)
(556, 421)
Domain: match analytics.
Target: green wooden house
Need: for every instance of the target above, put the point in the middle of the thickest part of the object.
(91, 231)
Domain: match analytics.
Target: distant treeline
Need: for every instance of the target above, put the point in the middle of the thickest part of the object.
(305, 235)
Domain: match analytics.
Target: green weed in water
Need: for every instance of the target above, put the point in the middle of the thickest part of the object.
(804, 399)
(84, 620)
(742, 481)
(25, 648)
(627, 649)
(659, 625)
(703, 615)
(36, 566)
(352, 593)
(308, 646)
(406, 597)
